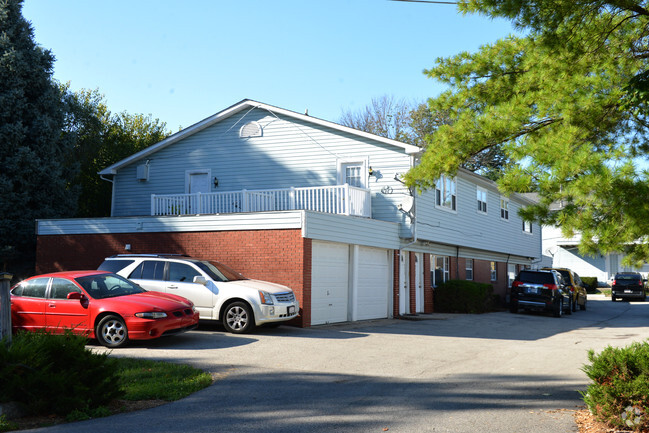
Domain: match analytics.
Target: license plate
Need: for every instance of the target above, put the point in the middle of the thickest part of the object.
(291, 310)
(532, 290)
(627, 291)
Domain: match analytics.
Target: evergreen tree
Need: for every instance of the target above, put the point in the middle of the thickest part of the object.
(567, 103)
(35, 164)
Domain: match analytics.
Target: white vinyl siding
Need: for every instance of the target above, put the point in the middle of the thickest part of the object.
(467, 228)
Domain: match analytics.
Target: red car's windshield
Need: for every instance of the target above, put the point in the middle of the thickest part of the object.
(103, 286)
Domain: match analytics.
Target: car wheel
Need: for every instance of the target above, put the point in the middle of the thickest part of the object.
(613, 298)
(571, 306)
(238, 318)
(111, 332)
(558, 308)
(574, 304)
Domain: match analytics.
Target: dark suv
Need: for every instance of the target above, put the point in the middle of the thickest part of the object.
(628, 285)
(542, 290)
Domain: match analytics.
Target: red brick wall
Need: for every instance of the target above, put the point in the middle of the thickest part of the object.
(395, 284)
(280, 256)
(428, 288)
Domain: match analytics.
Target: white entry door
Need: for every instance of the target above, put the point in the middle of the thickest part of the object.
(329, 282)
(404, 283)
(419, 282)
(197, 181)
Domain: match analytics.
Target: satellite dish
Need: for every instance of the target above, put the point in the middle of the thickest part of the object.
(407, 202)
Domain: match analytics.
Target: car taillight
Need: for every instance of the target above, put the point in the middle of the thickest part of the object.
(516, 283)
(551, 286)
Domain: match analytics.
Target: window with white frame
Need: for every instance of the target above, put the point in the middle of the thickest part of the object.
(527, 226)
(445, 193)
(469, 269)
(494, 272)
(353, 175)
(440, 271)
(482, 200)
(504, 208)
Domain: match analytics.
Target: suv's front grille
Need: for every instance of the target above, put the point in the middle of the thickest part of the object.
(285, 297)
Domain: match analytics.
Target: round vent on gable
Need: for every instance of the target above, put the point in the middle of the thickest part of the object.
(250, 129)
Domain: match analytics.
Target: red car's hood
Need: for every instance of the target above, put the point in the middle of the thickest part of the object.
(152, 300)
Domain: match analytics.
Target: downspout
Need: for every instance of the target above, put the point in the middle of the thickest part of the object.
(457, 262)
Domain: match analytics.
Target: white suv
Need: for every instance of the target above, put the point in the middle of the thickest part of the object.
(218, 292)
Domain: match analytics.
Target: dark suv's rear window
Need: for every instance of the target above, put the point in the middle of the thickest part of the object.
(635, 278)
(535, 277)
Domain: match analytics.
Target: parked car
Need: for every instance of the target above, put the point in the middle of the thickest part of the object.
(577, 287)
(100, 305)
(542, 290)
(218, 292)
(627, 285)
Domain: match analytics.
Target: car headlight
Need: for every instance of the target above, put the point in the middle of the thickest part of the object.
(265, 298)
(151, 315)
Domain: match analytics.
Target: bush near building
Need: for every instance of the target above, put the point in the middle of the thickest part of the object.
(460, 296)
(619, 394)
(591, 284)
(47, 373)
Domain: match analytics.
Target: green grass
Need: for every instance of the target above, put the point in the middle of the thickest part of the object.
(138, 380)
(148, 380)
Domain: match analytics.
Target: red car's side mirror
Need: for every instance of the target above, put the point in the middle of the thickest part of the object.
(76, 295)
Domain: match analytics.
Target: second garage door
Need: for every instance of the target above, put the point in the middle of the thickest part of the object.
(372, 284)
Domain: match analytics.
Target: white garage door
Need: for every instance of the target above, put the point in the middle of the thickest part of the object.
(329, 282)
(373, 283)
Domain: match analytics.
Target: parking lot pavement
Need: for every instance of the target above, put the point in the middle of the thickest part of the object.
(496, 372)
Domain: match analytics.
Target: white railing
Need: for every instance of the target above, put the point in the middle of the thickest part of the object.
(339, 199)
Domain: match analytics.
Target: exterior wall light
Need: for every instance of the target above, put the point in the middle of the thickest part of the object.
(216, 182)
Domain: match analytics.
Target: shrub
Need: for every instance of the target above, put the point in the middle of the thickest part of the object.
(459, 296)
(48, 373)
(590, 283)
(619, 394)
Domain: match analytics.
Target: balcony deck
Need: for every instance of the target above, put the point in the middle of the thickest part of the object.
(337, 199)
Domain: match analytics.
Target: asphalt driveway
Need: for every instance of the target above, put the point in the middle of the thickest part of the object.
(496, 372)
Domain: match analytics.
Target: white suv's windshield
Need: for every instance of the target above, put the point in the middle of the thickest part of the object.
(219, 272)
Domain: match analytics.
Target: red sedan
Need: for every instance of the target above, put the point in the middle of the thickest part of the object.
(98, 304)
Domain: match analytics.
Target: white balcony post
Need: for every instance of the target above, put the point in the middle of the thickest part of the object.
(244, 199)
(152, 204)
(200, 202)
(347, 199)
(291, 195)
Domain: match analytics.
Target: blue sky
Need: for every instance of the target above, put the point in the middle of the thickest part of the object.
(182, 61)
